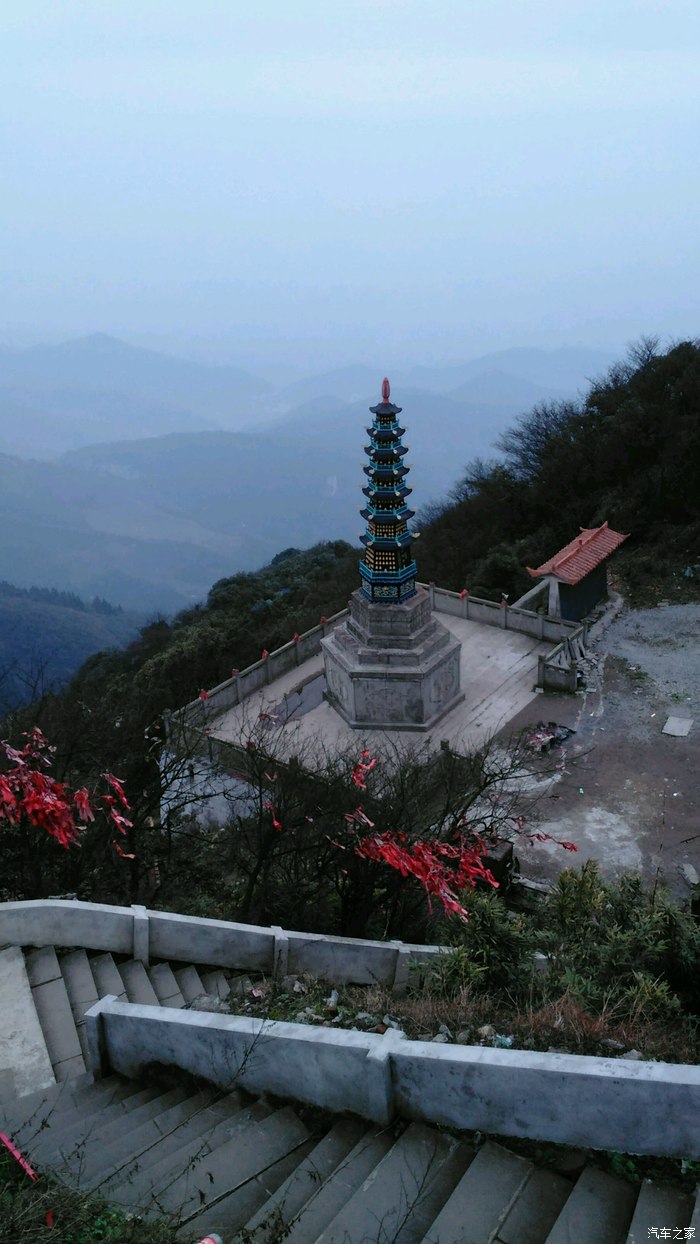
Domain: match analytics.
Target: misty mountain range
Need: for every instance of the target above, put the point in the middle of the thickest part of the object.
(143, 478)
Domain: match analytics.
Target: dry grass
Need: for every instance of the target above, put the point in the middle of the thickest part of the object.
(563, 1024)
(47, 1212)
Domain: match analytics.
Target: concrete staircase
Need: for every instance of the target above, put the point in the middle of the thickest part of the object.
(261, 1172)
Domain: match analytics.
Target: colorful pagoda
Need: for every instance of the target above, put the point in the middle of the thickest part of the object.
(391, 665)
(388, 570)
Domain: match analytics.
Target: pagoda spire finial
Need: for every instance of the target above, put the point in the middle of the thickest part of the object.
(386, 389)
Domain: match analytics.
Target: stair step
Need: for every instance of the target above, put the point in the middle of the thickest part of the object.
(215, 983)
(231, 1164)
(93, 1140)
(106, 976)
(482, 1199)
(65, 1101)
(536, 1210)
(165, 985)
(393, 1190)
(600, 1207)
(189, 982)
(8, 1091)
(79, 982)
(42, 965)
(228, 1214)
(120, 1152)
(437, 1194)
(17, 1113)
(138, 987)
(60, 1136)
(325, 1203)
(659, 1206)
(81, 990)
(141, 1183)
(290, 1198)
(25, 1059)
(55, 1014)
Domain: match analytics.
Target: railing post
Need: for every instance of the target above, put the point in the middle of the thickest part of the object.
(379, 1081)
(97, 1056)
(280, 952)
(141, 937)
(401, 969)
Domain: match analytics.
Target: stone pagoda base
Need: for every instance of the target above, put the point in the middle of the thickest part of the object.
(392, 667)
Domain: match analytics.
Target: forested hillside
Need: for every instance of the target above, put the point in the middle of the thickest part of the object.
(629, 452)
(45, 635)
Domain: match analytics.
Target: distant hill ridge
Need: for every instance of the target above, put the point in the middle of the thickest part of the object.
(155, 487)
(46, 634)
(63, 600)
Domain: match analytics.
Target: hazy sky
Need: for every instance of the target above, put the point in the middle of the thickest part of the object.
(435, 176)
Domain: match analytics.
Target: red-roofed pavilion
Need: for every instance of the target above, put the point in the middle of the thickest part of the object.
(577, 574)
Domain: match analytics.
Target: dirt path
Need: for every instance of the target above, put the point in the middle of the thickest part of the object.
(629, 796)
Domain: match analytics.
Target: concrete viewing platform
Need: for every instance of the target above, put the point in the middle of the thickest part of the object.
(498, 671)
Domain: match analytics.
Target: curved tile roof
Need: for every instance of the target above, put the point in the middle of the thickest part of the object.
(581, 555)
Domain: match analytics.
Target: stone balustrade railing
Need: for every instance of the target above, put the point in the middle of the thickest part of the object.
(596, 1103)
(151, 935)
(239, 687)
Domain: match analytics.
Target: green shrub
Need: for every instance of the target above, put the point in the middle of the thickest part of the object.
(491, 950)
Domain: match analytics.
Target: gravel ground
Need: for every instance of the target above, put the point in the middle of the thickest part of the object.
(628, 796)
(664, 643)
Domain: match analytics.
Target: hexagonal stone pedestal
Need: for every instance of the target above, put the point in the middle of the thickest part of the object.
(392, 667)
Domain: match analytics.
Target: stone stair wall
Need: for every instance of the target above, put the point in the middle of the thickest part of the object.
(600, 1103)
(259, 1173)
(64, 986)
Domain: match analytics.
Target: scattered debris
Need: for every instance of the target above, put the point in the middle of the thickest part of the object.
(689, 874)
(205, 1002)
(366, 1020)
(547, 735)
(240, 985)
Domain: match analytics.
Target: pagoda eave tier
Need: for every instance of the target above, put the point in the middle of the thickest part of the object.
(396, 451)
(383, 516)
(386, 472)
(385, 434)
(388, 576)
(386, 408)
(386, 543)
(385, 494)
